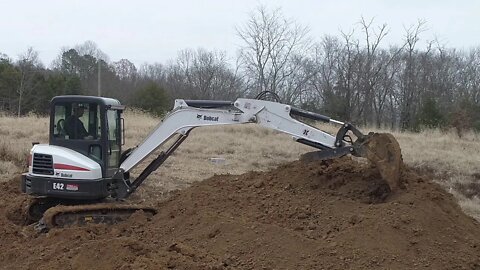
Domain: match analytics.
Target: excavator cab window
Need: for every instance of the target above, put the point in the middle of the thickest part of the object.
(77, 121)
(77, 125)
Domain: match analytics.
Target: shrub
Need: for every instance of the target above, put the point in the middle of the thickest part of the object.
(430, 115)
(152, 98)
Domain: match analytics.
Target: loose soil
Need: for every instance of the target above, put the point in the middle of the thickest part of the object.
(303, 215)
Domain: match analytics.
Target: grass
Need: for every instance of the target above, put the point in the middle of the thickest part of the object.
(455, 161)
(249, 147)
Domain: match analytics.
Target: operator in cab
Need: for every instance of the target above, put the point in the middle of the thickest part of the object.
(74, 126)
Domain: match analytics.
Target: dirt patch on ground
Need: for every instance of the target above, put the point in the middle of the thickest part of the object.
(303, 215)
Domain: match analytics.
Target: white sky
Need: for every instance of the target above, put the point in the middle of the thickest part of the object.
(154, 31)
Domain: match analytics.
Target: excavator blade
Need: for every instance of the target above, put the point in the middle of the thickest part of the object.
(383, 150)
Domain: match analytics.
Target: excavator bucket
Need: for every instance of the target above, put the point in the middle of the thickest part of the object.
(383, 150)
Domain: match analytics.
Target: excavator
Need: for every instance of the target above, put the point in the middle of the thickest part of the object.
(82, 175)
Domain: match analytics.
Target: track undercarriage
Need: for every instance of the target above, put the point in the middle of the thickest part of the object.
(51, 212)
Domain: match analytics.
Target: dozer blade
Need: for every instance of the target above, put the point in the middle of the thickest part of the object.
(383, 150)
(101, 213)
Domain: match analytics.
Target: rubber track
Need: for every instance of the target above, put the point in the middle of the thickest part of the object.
(109, 213)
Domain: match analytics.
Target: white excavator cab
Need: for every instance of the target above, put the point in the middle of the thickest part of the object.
(91, 126)
(84, 149)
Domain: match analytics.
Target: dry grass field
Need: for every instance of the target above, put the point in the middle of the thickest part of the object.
(244, 148)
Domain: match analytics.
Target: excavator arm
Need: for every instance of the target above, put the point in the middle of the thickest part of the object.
(185, 117)
(189, 114)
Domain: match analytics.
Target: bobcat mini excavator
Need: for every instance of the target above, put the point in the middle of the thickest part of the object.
(83, 176)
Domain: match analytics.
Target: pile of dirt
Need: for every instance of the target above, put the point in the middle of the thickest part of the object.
(302, 215)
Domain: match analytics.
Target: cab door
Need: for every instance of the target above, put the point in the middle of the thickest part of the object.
(114, 141)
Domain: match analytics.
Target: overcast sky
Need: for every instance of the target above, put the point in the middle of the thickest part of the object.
(154, 31)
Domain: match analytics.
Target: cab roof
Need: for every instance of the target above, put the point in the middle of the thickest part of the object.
(109, 102)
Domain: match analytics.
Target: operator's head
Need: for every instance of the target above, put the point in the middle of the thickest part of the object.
(79, 111)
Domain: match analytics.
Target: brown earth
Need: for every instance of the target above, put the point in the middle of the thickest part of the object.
(302, 215)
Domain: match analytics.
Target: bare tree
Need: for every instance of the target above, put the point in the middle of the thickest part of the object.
(408, 89)
(28, 64)
(202, 74)
(345, 100)
(155, 72)
(270, 44)
(91, 48)
(472, 75)
(125, 69)
(370, 66)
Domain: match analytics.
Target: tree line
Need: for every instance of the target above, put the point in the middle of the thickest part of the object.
(352, 76)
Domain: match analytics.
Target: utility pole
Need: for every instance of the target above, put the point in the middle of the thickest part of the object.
(99, 80)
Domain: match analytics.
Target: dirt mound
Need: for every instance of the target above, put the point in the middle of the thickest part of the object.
(328, 214)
